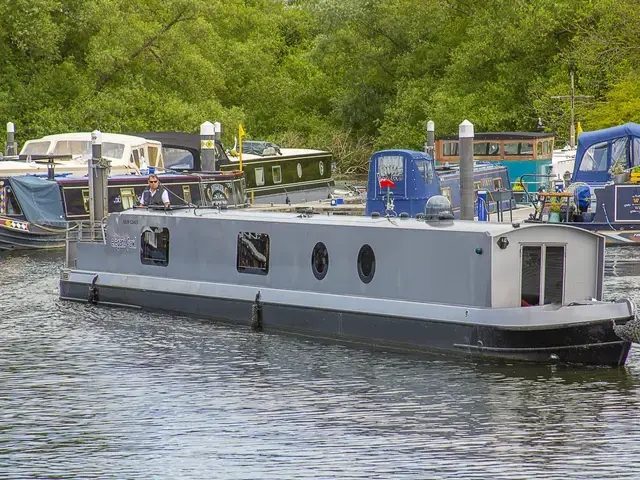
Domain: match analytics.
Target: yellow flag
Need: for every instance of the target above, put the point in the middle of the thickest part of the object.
(578, 130)
(241, 130)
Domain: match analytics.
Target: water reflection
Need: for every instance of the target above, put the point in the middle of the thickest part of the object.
(92, 392)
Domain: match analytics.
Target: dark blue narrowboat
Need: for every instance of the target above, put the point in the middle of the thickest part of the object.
(405, 180)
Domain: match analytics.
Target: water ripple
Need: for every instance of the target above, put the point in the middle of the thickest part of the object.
(92, 392)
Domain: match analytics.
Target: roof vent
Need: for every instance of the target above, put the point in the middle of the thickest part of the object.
(438, 208)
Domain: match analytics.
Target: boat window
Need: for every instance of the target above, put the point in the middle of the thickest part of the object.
(546, 147)
(391, 167)
(553, 274)
(321, 168)
(620, 151)
(73, 147)
(253, 253)
(635, 156)
(153, 156)
(426, 170)
(128, 196)
(113, 150)
(155, 246)
(486, 148)
(186, 194)
(85, 199)
(518, 148)
(450, 149)
(276, 172)
(136, 159)
(259, 176)
(477, 186)
(320, 260)
(177, 158)
(530, 280)
(35, 148)
(595, 158)
(366, 264)
(497, 184)
(446, 191)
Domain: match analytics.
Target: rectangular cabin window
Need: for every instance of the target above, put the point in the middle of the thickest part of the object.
(136, 158)
(484, 149)
(446, 191)
(530, 276)
(553, 274)
(542, 275)
(153, 156)
(276, 172)
(259, 171)
(426, 170)
(128, 197)
(253, 253)
(186, 194)
(497, 184)
(518, 148)
(85, 199)
(155, 246)
(450, 149)
(391, 167)
(178, 158)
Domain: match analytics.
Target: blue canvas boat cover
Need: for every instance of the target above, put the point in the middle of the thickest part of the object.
(40, 200)
(595, 152)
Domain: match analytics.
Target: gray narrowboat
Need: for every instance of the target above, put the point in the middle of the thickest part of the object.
(507, 292)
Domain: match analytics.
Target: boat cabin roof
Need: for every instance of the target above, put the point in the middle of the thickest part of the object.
(485, 228)
(86, 136)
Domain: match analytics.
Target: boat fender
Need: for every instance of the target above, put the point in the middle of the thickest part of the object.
(93, 291)
(256, 314)
(630, 331)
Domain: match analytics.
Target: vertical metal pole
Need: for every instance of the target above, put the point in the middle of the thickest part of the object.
(465, 141)
(97, 183)
(573, 128)
(431, 127)
(207, 147)
(10, 147)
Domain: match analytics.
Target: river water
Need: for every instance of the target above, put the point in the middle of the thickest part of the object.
(95, 392)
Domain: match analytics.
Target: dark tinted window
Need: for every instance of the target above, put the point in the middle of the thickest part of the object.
(320, 260)
(366, 263)
(253, 253)
(155, 246)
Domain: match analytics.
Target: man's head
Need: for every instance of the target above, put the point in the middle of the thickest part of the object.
(153, 181)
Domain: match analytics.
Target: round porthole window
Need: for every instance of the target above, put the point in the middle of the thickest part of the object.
(366, 263)
(320, 261)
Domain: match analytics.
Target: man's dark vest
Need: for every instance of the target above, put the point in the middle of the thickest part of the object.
(148, 200)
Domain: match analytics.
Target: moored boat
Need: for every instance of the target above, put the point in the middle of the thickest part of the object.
(273, 174)
(488, 291)
(34, 211)
(412, 178)
(604, 193)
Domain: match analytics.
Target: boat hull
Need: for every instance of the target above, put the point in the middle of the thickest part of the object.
(21, 235)
(590, 343)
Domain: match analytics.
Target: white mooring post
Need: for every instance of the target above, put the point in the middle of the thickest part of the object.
(208, 147)
(11, 146)
(465, 143)
(429, 147)
(98, 178)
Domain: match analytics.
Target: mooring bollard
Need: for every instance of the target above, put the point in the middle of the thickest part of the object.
(465, 142)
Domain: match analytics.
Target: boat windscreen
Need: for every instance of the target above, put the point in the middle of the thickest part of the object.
(35, 148)
(73, 147)
(177, 158)
(113, 150)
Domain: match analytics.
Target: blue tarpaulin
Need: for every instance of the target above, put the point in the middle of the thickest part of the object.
(40, 200)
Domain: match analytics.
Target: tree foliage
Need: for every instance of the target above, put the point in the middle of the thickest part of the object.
(351, 76)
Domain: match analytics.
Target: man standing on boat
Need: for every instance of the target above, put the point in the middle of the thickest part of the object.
(156, 194)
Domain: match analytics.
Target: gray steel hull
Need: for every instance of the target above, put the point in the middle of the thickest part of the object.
(592, 343)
